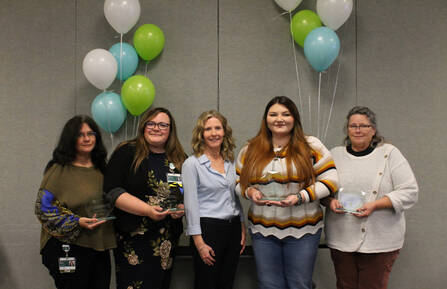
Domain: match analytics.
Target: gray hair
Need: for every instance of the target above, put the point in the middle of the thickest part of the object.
(363, 110)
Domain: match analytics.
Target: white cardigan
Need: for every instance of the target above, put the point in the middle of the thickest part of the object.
(383, 172)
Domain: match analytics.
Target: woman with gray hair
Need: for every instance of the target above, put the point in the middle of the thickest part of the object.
(365, 220)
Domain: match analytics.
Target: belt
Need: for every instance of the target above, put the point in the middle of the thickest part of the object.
(234, 219)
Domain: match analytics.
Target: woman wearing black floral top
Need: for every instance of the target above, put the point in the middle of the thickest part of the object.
(136, 182)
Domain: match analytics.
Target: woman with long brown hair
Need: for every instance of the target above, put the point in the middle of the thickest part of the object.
(285, 173)
(136, 182)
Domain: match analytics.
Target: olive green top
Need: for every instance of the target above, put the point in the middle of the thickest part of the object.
(64, 197)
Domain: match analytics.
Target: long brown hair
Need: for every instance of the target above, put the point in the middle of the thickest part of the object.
(173, 147)
(260, 149)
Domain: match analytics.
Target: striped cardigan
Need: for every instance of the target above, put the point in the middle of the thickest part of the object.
(294, 221)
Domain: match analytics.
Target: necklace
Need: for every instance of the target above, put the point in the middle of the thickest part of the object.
(275, 161)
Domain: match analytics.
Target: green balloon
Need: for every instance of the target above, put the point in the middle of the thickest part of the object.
(149, 41)
(137, 94)
(303, 22)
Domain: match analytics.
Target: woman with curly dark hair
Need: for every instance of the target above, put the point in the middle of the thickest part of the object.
(75, 246)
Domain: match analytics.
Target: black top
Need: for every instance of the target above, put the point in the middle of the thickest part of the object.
(148, 184)
(365, 152)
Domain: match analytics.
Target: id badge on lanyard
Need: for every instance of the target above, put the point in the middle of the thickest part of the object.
(67, 264)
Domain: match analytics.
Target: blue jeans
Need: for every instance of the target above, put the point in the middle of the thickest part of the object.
(285, 263)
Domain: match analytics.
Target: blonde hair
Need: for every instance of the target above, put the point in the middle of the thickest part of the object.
(260, 149)
(173, 147)
(197, 142)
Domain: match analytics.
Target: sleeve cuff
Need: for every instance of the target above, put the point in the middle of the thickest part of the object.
(194, 230)
(113, 194)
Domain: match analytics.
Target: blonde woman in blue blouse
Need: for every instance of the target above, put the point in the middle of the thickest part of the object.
(213, 211)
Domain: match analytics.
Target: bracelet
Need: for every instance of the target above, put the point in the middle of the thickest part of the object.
(300, 199)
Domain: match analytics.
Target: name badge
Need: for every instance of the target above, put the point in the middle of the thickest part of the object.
(67, 264)
(174, 179)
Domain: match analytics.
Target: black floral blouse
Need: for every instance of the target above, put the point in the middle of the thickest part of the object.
(141, 240)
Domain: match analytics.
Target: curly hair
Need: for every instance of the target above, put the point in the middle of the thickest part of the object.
(65, 151)
(197, 142)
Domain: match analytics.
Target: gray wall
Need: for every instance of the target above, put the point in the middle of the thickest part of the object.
(233, 56)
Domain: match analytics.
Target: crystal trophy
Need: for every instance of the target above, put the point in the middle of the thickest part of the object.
(273, 191)
(175, 196)
(100, 209)
(351, 201)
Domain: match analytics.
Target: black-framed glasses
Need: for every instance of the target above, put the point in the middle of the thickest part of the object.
(160, 125)
(361, 126)
(87, 134)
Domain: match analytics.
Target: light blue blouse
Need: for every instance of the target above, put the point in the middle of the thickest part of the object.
(208, 193)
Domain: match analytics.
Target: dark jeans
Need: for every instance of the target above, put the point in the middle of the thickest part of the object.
(363, 271)
(92, 267)
(225, 239)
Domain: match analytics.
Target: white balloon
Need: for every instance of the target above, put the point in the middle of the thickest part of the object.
(333, 13)
(122, 15)
(100, 68)
(288, 5)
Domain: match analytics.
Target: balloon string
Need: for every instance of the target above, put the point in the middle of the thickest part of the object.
(137, 118)
(111, 139)
(121, 57)
(145, 71)
(310, 114)
(341, 31)
(276, 17)
(127, 120)
(332, 103)
(318, 104)
(298, 81)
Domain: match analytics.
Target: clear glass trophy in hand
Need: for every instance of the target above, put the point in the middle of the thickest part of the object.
(175, 196)
(100, 209)
(351, 201)
(273, 191)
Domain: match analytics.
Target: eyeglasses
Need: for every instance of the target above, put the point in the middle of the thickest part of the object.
(88, 134)
(160, 125)
(361, 127)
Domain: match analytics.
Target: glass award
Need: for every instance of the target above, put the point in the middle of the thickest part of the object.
(351, 201)
(175, 196)
(100, 209)
(273, 191)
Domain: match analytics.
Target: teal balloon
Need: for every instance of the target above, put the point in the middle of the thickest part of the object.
(321, 48)
(108, 111)
(129, 58)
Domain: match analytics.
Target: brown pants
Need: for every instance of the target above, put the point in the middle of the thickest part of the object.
(363, 271)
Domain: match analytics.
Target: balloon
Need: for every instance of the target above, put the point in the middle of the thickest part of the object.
(137, 94)
(128, 56)
(108, 111)
(288, 5)
(334, 13)
(100, 67)
(122, 15)
(321, 48)
(303, 22)
(149, 41)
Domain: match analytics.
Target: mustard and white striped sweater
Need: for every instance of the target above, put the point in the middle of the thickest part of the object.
(294, 221)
